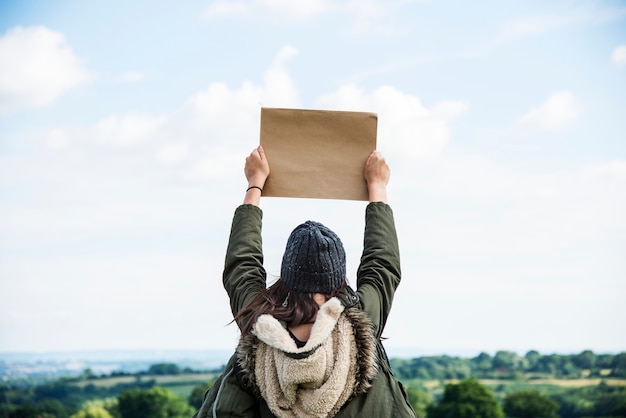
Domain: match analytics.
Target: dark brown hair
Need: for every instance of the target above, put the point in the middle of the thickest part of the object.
(300, 308)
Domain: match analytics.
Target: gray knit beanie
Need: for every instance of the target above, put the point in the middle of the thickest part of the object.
(314, 260)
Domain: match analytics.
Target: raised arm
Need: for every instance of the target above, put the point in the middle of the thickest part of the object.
(244, 275)
(379, 272)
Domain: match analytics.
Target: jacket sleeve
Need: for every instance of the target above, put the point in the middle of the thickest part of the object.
(244, 274)
(379, 273)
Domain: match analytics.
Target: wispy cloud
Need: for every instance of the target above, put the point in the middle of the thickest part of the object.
(556, 113)
(303, 9)
(38, 66)
(297, 9)
(132, 76)
(618, 57)
(527, 27)
(376, 18)
(222, 8)
(370, 17)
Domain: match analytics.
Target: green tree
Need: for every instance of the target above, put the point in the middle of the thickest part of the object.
(92, 412)
(52, 390)
(467, 399)
(164, 369)
(529, 404)
(48, 408)
(420, 401)
(585, 360)
(196, 397)
(88, 374)
(25, 412)
(506, 360)
(53, 408)
(482, 363)
(157, 402)
(619, 365)
(94, 408)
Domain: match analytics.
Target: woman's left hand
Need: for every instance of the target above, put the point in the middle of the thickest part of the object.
(257, 168)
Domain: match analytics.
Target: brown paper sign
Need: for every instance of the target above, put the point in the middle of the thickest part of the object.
(317, 153)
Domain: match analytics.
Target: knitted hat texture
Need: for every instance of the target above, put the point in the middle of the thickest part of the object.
(314, 260)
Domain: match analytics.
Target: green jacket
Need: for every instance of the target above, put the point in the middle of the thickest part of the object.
(378, 276)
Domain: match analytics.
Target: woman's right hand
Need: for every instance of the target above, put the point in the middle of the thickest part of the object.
(376, 173)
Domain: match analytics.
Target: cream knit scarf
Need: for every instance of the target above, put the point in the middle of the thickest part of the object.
(312, 381)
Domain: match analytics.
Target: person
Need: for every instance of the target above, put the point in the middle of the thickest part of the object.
(310, 345)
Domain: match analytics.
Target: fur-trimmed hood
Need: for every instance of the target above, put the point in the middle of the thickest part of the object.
(273, 333)
(337, 362)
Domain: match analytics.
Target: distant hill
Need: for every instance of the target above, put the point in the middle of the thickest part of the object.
(15, 365)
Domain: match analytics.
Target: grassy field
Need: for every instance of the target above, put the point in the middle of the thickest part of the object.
(181, 384)
(168, 380)
(502, 387)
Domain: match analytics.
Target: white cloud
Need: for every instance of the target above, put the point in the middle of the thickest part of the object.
(526, 27)
(57, 138)
(370, 17)
(618, 57)
(132, 76)
(278, 78)
(407, 128)
(126, 130)
(303, 9)
(544, 212)
(221, 8)
(559, 111)
(116, 130)
(172, 153)
(42, 67)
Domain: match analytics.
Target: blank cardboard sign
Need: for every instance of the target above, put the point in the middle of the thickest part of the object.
(317, 153)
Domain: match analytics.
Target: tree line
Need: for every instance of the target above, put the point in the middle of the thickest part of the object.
(465, 397)
(510, 365)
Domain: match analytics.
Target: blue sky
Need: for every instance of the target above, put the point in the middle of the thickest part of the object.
(124, 127)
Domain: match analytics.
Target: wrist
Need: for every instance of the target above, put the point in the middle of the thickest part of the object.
(377, 192)
(253, 195)
(256, 182)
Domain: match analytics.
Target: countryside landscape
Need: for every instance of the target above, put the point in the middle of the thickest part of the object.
(503, 384)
